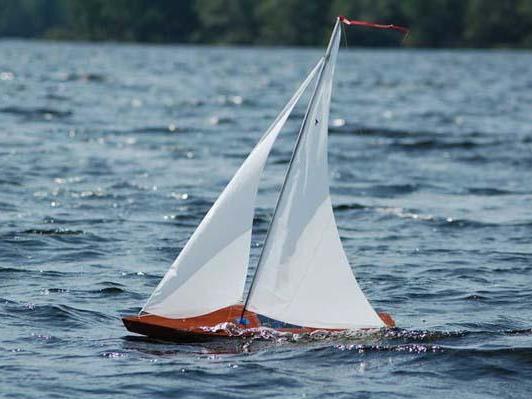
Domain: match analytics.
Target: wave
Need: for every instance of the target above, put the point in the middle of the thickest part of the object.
(474, 297)
(37, 113)
(53, 232)
(522, 354)
(56, 220)
(488, 191)
(168, 129)
(349, 129)
(110, 291)
(57, 97)
(349, 207)
(226, 100)
(387, 190)
(408, 348)
(83, 77)
(450, 223)
(10, 182)
(55, 315)
(444, 222)
(6, 207)
(109, 288)
(38, 236)
(435, 144)
(45, 273)
(418, 140)
(322, 344)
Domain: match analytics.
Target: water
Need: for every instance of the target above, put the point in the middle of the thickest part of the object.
(110, 155)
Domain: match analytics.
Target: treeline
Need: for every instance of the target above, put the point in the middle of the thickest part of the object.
(433, 23)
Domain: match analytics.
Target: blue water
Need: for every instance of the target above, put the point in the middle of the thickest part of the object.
(111, 154)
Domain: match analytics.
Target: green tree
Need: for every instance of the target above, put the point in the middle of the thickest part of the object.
(226, 21)
(525, 11)
(435, 23)
(293, 21)
(140, 20)
(501, 22)
(29, 18)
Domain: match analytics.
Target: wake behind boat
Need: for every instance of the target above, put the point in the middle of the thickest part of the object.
(228, 322)
(303, 281)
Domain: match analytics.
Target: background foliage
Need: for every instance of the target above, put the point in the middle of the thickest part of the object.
(434, 23)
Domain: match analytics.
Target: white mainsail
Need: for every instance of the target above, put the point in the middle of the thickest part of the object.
(303, 276)
(210, 271)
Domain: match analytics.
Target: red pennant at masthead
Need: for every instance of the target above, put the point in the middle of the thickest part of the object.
(372, 25)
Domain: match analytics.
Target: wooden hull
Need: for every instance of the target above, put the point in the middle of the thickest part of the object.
(222, 323)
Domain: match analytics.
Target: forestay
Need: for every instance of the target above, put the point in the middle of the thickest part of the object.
(303, 276)
(210, 271)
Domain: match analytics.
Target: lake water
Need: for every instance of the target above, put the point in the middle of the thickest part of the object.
(111, 154)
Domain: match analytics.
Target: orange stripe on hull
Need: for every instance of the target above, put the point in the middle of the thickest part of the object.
(212, 325)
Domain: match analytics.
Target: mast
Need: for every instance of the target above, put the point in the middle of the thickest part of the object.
(304, 124)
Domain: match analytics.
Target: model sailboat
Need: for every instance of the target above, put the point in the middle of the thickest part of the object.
(303, 280)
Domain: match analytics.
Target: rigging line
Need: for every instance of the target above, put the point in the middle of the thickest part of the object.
(345, 36)
(291, 102)
(304, 124)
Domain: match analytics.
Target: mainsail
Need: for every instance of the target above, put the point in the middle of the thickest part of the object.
(303, 276)
(210, 271)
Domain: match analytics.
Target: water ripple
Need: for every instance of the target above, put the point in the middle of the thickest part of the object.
(111, 155)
